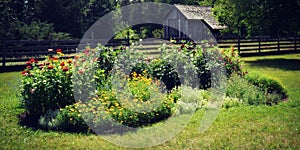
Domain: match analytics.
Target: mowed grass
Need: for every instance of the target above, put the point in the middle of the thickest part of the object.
(248, 127)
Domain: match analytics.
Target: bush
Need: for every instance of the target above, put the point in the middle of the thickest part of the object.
(232, 102)
(231, 61)
(190, 100)
(140, 105)
(238, 87)
(164, 71)
(71, 120)
(47, 85)
(203, 61)
(275, 89)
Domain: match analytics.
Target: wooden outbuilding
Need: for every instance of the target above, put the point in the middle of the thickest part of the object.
(195, 22)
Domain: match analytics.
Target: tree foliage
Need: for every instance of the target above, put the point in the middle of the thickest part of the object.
(44, 19)
(259, 17)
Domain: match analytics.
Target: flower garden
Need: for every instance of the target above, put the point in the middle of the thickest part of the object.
(151, 89)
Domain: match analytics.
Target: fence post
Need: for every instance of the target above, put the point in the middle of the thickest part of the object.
(128, 35)
(50, 45)
(259, 47)
(3, 56)
(278, 44)
(295, 42)
(239, 44)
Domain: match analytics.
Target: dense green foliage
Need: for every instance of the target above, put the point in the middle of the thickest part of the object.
(259, 17)
(46, 19)
(47, 85)
(247, 93)
(270, 85)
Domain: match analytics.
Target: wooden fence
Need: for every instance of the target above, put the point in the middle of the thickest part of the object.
(14, 54)
(262, 45)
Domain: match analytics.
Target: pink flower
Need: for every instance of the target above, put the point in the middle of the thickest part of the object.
(31, 91)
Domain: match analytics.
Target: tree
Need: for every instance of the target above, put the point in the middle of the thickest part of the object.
(259, 17)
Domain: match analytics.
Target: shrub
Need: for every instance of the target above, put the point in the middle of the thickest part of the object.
(190, 99)
(142, 103)
(71, 120)
(47, 85)
(239, 88)
(144, 107)
(202, 60)
(231, 61)
(165, 72)
(274, 88)
(232, 102)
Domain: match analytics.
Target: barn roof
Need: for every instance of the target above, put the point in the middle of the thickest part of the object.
(199, 13)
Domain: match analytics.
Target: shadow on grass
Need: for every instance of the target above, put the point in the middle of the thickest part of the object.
(32, 121)
(280, 63)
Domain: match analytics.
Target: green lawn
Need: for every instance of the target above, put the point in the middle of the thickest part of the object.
(249, 127)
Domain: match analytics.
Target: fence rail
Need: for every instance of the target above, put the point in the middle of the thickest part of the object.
(13, 54)
(262, 45)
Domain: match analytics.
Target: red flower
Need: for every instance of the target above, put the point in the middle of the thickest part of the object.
(24, 73)
(65, 69)
(32, 60)
(28, 67)
(28, 63)
(50, 67)
(62, 63)
(41, 65)
(54, 59)
(58, 50)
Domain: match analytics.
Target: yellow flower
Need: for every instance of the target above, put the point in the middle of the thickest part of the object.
(60, 53)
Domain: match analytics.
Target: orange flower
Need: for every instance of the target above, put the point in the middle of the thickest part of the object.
(69, 61)
(28, 67)
(54, 59)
